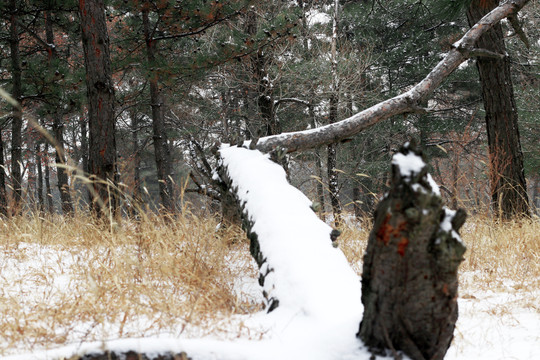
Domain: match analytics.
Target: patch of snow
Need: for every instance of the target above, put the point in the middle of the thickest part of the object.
(409, 165)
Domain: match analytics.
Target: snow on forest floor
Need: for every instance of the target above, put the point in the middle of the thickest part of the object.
(499, 317)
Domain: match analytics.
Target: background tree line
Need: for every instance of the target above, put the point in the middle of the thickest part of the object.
(137, 94)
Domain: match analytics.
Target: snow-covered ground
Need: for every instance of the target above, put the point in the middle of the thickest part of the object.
(319, 310)
(493, 325)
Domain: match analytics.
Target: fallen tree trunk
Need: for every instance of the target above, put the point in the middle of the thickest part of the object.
(408, 102)
(409, 280)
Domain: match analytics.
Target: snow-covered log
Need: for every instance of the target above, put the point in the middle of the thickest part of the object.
(300, 269)
(408, 102)
(409, 280)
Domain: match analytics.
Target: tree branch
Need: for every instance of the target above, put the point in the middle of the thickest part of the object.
(514, 21)
(404, 103)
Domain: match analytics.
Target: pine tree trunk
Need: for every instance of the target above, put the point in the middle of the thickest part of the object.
(100, 92)
(161, 145)
(409, 280)
(39, 190)
(508, 187)
(333, 186)
(3, 195)
(58, 129)
(137, 198)
(84, 153)
(17, 121)
(50, 204)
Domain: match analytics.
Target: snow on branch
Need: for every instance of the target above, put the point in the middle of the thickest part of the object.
(407, 102)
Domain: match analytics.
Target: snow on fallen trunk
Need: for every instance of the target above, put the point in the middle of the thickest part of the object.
(299, 268)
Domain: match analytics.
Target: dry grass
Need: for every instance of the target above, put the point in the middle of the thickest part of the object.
(64, 280)
(70, 280)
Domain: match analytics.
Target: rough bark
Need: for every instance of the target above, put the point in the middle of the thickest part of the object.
(100, 92)
(137, 197)
(161, 144)
(507, 178)
(409, 280)
(3, 195)
(331, 164)
(132, 355)
(408, 102)
(58, 129)
(49, 195)
(39, 190)
(17, 121)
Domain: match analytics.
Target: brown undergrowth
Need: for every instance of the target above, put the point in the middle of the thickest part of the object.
(64, 280)
(70, 280)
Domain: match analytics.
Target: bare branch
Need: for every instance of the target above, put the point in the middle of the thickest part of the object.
(514, 21)
(404, 103)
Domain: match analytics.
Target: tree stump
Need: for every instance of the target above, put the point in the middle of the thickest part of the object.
(409, 280)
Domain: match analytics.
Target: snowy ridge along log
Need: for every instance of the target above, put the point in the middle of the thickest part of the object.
(409, 280)
(299, 268)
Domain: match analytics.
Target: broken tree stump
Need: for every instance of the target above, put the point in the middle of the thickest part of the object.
(409, 280)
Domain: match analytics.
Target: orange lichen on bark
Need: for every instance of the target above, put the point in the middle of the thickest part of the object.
(386, 230)
(402, 245)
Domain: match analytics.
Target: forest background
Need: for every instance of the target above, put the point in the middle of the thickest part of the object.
(187, 75)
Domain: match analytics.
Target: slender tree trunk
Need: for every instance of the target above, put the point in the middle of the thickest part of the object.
(3, 195)
(84, 153)
(161, 145)
(50, 203)
(333, 185)
(318, 167)
(508, 187)
(39, 190)
(58, 129)
(31, 182)
(100, 92)
(137, 199)
(17, 121)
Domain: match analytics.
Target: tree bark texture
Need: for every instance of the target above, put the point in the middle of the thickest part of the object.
(49, 195)
(17, 121)
(507, 178)
(161, 144)
(58, 129)
(407, 102)
(409, 280)
(3, 194)
(132, 355)
(39, 190)
(100, 92)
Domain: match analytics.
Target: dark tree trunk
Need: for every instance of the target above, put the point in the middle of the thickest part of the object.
(39, 190)
(318, 167)
(50, 204)
(100, 92)
(137, 199)
(409, 280)
(265, 96)
(3, 195)
(17, 121)
(333, 186)
(84, 152)
(161, 145)
(508, 187)
(58, 129)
